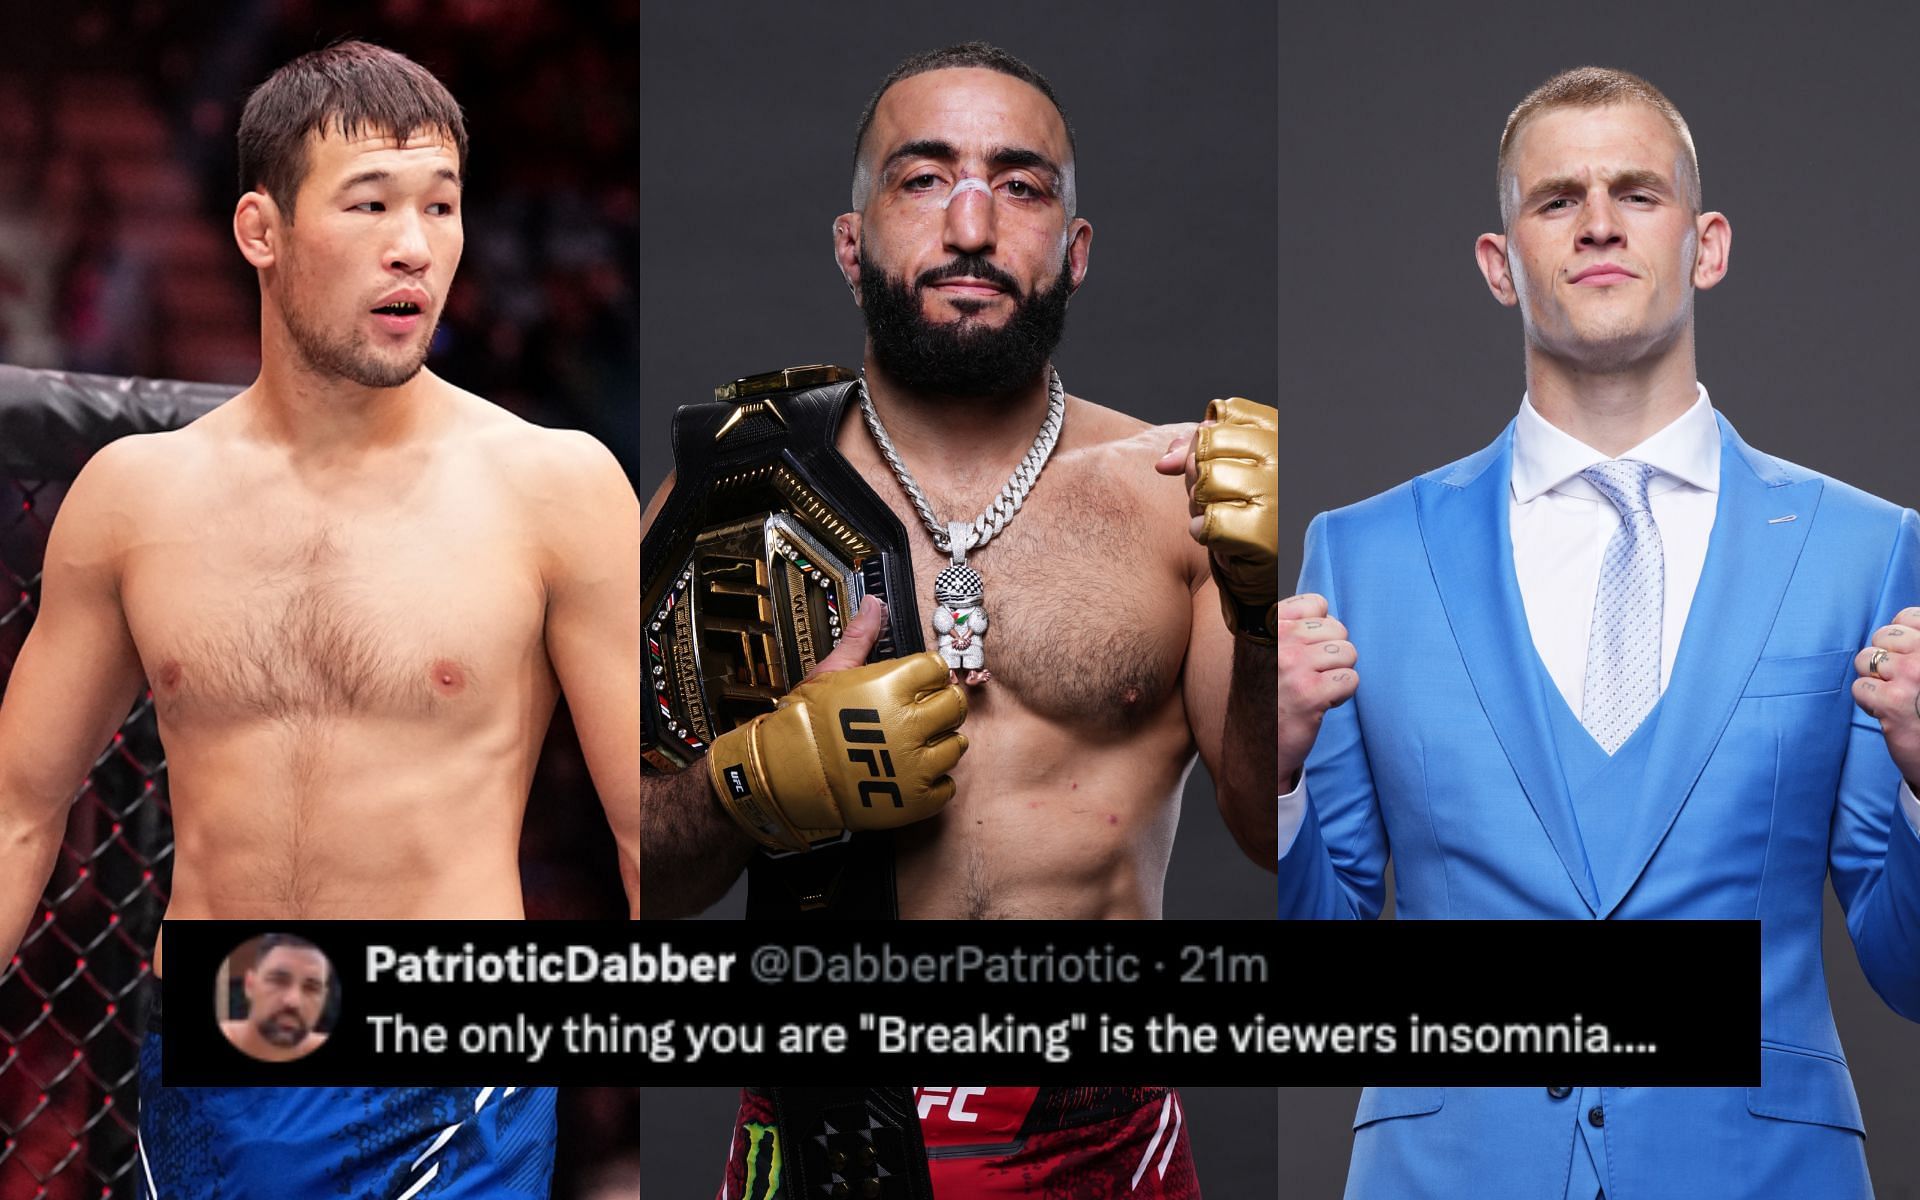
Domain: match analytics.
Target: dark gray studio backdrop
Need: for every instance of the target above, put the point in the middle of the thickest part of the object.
(747, 120)
(1399, 360)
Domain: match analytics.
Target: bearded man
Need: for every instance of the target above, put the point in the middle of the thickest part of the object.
(1129, 572)
(286, 990)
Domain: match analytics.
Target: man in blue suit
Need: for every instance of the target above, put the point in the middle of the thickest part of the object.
(1608, 676)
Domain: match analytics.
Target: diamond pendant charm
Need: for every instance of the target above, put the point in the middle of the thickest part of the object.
(960, 612)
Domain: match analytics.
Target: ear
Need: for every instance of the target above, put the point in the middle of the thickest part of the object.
(1716, 246)
(1490, 251)
(846, 250)
(256, 229)
(1079, 251)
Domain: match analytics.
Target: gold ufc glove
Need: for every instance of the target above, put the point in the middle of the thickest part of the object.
(1237, 472)
(869, 747)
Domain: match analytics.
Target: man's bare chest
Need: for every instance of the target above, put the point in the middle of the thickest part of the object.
(1088, 616)
(277, 615)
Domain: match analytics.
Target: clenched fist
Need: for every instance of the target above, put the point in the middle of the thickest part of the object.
(1232, 468)
(1316, 674)
(857, 746)
(1889, 688)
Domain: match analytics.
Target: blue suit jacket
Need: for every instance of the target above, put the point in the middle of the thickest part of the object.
(1761, 777)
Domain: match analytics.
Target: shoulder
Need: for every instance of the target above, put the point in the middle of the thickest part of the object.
(1110, 455)
(149, 460)
(542, 465)
(1841, 503)
(1838, 497)
(147, 470)
(562, 485)
(1095, 429)
(1397, 503)
(127, 487)
(1120, 447)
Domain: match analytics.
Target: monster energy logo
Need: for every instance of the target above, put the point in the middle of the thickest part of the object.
(769, 1135)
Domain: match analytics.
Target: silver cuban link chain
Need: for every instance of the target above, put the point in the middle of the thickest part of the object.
(960, 618)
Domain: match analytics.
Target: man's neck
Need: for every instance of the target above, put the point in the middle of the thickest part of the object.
(949, 437)
(329, 418)
(1616, 409)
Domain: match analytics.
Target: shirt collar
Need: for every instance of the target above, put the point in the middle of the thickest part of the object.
(1545, 457)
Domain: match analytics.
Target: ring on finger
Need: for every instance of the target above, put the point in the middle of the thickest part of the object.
(1880, 655)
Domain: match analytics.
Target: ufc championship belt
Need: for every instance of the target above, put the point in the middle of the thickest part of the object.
(752, 569)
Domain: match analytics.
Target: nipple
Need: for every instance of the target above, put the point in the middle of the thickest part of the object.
(448, 677)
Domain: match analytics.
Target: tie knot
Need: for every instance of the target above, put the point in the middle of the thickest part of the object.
(1623, 481)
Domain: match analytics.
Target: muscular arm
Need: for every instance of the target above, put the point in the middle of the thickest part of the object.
(1229, 682)
(593, 632)
(694, 850)
(694, 847)
(72, 686)
(1229, 689)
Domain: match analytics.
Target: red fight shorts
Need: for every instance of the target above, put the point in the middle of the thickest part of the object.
(1051, 1143)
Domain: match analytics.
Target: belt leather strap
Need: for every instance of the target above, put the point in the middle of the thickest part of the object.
(853, 1142)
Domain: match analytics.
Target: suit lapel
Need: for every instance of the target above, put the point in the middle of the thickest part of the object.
(1750, 559)
(1463, 517)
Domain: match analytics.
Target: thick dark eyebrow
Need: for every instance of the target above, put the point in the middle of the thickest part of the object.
(922, 148)
(1020, 156)
(1629, 180)
(354, 181)
(1002, 156)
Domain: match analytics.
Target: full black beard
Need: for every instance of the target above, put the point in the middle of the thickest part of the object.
(962, 357)
(279, 1035)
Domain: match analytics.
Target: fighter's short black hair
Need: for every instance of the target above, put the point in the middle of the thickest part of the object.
(349, 88)
(965, 54)
(275, 941)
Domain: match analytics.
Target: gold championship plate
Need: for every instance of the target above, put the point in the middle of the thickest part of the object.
(751, 571)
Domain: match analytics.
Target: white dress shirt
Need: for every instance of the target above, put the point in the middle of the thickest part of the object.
(1561, 525)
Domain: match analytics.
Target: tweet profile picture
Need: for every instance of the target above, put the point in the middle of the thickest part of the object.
(276, 997)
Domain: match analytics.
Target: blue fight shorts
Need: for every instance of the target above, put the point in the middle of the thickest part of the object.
(356, 1143)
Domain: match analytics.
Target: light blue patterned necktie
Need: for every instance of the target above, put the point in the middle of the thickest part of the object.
(1623, 646)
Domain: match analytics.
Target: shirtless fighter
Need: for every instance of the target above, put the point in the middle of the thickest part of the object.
(357, 592)
(1107, 664)
(1110, 662)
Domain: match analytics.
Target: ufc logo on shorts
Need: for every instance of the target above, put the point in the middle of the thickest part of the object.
(863, 725)
(954, 1099)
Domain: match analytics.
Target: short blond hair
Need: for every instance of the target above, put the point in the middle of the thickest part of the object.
(1593, 87)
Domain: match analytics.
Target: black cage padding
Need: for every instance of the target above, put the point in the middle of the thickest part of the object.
(71, 1000)
(52, 422)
